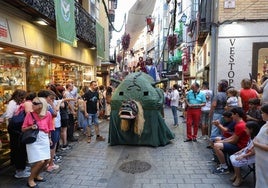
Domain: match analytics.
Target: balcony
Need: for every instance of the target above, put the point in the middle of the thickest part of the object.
(85, 23)
(204, 21)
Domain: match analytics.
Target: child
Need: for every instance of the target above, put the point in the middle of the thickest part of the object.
(232, 99)
(245, 156)
(254, 113)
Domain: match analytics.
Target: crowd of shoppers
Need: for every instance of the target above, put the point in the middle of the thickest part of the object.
(54, 111)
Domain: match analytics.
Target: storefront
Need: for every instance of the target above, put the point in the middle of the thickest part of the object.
(31, 57)
(20, 69)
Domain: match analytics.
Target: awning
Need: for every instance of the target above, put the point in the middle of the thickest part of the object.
(136, 21)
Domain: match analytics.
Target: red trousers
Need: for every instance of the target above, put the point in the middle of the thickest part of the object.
(193, 120)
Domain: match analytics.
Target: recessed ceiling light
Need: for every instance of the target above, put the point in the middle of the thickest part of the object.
(41, 21)
(1, 48)
(19, 53)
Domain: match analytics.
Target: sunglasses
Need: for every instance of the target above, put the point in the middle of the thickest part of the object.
(36, 103)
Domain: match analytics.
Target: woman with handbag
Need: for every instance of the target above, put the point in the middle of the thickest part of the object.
(39, 151)
(18, 155)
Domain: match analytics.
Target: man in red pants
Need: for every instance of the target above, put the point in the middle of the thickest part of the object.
(195, 99)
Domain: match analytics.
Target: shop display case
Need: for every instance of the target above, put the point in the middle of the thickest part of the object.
(4, 144)
(63, 73)
(88, 75)
(12, 77)
(39, 73)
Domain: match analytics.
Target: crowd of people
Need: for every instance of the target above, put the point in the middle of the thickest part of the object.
(233, 120)
(54, 111)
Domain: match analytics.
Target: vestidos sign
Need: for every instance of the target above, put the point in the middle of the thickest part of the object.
(231, 62)
(65, 21)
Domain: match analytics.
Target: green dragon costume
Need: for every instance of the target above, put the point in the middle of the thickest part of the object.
(136, 113)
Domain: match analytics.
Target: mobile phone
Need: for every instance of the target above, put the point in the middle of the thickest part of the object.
(250, 77)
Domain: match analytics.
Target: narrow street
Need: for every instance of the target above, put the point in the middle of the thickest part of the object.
(177, 165)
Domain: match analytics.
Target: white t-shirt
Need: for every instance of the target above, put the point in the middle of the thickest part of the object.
(208, 93)
(174, 98)
(11, 109)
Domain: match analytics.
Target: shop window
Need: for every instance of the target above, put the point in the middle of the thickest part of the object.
(259, 60)
(38, 73)
(12, 77)
(262, 63)
(67, 71)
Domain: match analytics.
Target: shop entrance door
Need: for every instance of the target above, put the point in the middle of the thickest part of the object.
(259, 60)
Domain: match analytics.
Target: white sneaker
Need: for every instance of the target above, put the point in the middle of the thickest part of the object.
(27, 169)
(22, 174)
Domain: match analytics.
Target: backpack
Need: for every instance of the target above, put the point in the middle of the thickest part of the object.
(15, 123)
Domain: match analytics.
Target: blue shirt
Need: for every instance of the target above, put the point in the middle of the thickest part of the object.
(196, 98)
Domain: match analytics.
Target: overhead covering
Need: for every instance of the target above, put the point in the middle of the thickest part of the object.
(136, 21)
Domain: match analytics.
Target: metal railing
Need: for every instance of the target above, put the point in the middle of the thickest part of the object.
(85, 23)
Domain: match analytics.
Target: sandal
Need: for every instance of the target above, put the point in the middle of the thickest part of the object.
(89, 139)
(40, 179)
(237, 183)
(232, 178)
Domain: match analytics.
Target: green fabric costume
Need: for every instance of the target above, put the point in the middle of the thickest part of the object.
(139, 87)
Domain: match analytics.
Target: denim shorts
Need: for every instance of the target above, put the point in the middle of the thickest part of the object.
(92, 119)
(55, 137)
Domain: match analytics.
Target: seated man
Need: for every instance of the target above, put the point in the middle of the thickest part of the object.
(225, 125)
(233, 143)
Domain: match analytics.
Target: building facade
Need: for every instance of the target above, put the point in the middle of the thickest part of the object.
(31, 56)
(231, 41)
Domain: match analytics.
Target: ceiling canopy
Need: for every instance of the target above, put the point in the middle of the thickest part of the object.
(136, 21)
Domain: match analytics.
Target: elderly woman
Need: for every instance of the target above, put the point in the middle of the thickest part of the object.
(217, 107)
(39, 151)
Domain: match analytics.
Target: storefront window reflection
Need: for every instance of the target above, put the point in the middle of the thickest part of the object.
(39, 73)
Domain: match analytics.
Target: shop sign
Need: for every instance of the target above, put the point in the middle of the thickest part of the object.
(3, 28)
(65, 21)
(231, 61)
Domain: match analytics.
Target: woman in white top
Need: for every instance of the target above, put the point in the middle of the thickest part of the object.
(261, 149)
(18, 153)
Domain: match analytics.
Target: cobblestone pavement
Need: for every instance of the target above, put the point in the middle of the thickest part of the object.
(97, 165)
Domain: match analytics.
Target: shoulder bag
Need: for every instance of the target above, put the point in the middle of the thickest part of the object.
(29, 136)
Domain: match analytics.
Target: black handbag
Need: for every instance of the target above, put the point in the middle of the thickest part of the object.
(29, 136)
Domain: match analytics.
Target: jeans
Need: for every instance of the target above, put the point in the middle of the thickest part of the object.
(215, 131)
(82, 120)
(175, 114)
(70, 128)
